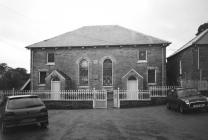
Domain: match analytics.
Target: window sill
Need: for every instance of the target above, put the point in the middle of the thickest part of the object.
(142, 61)
(83, 86)
(41, 85)
(108, 86)
(152, 84)
(50, 64)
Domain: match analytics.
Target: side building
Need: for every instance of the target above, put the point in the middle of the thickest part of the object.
(190, 62)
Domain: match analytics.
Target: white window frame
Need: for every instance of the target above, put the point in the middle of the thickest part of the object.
(41, 84)
(142, 61)
(50, 63)
(155, 76)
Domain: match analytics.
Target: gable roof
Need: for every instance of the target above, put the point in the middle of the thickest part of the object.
(99, 36)
(134, 71)
(59, 73)
(197, 40)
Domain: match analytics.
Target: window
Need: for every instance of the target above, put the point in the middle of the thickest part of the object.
(142, 56)
(50, 58)
(107, 72)
(151, 76)
(42, 76)
(83, 73)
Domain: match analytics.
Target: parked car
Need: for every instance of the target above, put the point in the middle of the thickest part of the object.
(184, 100)
(23, 110)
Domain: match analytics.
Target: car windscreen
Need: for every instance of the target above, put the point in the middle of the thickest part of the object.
(187, 92)
(21, 103)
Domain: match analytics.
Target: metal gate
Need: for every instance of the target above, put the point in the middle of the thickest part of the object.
(100, 99)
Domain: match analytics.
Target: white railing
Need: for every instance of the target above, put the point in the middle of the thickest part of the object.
(100, 95)
(134, 95)
(71, 95)
(160, 91)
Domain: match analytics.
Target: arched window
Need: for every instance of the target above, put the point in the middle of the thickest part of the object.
(107, 72)
(83, 73)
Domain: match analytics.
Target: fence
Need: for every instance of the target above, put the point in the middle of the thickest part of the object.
(134, 95)
(160, 91)
(154, 91)
(70, 95)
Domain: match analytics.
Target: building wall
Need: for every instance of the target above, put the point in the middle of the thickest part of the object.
(189, 66)
(203, 61)
(124, 59)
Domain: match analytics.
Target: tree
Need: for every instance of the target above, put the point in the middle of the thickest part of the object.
(12, 78)
(3, 68)
(202, 28)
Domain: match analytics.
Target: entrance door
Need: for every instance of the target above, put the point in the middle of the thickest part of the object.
(132, 88)
(55, 89)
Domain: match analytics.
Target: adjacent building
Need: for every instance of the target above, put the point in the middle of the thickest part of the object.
(190, 62)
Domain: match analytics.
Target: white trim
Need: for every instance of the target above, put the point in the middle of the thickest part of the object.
(25, 84)
(41, 84)
(79, 60)
(155, 76)
(142, 61)
(50, 64)
(133, 70)
(103, 59)
(56, 72)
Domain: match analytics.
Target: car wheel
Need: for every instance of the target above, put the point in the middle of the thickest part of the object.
(44, 125)
(181, 109)
(3, 128)
(168, 106)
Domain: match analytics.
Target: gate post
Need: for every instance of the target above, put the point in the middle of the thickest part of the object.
(118, 100)
(94, 97)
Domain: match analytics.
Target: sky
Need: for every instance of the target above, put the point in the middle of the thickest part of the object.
(24, 22)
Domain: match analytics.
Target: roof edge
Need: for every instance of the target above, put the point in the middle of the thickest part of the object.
(189, 43)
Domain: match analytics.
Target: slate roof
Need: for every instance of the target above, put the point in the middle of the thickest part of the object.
(99, 36)
(200, 39)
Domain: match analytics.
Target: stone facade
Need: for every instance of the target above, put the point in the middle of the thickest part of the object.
(190, 62)
(124, 59)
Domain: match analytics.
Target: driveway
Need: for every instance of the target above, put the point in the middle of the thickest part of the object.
(147, 123)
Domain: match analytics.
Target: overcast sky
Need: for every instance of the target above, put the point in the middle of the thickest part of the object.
(24, 22)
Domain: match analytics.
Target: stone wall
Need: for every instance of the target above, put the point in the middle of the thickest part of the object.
(124, 59)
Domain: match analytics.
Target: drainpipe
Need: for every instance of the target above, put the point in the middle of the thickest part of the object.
(163, 69)
(31, 69)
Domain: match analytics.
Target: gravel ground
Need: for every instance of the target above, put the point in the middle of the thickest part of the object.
(146, 123)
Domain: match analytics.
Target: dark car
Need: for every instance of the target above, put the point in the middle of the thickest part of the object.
(23, 110)
(184, 100)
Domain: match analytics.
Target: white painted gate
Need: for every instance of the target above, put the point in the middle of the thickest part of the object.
(116, 100)
(100, 99)
(55, 89)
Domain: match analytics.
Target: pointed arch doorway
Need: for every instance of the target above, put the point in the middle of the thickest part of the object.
(55, 88)
(132, 87)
